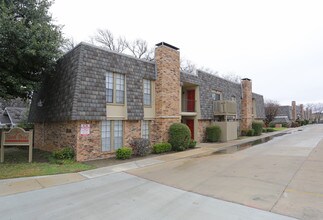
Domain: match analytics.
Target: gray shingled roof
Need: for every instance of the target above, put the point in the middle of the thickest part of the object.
(77, 90)
(16, 114)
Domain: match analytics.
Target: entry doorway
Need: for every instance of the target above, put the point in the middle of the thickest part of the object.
(191, 100)
(190, 124)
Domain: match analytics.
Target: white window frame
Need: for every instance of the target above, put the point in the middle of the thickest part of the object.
(216, 93)
(112, 134)
(115, 88)
(145, 129)
(147, 92)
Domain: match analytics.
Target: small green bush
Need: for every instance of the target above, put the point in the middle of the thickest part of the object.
(192, 144)
(179, 136)
(140, 146)
(244, 132)
(257, 127)
(270, 130)
(213, 133)
(162, 148)
(251, 132)
(66, 153)
(264, 130)
(124, 153)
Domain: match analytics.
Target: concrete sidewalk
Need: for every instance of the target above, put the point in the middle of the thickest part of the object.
(19, 185)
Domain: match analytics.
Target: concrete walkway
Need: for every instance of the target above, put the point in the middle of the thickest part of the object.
(18, 185)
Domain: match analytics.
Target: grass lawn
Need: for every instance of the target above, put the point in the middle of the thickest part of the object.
(279, 129)
(16, 164)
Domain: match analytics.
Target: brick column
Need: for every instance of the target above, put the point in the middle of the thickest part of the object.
(246, 108)
(302, 111)
(167, 89)
(294, 116)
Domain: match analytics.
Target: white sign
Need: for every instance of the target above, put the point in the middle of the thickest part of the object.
(85, 129)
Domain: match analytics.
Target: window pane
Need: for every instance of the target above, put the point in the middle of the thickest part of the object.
(109, 87)
(145, 129)
(106, 136)
(119, 88)
(147, 92)
(118, 134)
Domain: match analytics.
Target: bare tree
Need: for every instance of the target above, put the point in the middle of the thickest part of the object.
(138, 47)
(68, 44)
(317, 109)
(209, 70)
(105, 39)
(187, 66)
(232, 77)
(271, 109)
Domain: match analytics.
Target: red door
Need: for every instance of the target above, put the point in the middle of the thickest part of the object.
(190, 124)
(191, 100)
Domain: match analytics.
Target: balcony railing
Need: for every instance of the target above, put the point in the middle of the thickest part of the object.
(188, 105)
(224, 107)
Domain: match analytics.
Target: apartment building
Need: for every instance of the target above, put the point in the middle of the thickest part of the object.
(99, 100)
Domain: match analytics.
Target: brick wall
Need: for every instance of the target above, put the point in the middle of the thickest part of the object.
(132, 129)
(246, 108)
(167, 91)
(202, 124)
(51, 136)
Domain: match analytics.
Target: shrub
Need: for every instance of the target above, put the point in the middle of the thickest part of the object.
(162, 147)
(270, 130)
(213, 133)
(124, 153)
(257, 127)
(66, 153)
(244, 132)
(179, 136)
(251, 132)
(295, 124)
(140, 146)
(264, 130)
(192, 144)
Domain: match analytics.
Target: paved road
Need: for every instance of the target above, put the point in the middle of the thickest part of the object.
(122, 196)
(282, 176)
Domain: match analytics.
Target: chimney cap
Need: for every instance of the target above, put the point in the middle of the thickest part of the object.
(246, 79)
(168, 45)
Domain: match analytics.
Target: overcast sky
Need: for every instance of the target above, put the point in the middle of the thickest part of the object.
(276, 43)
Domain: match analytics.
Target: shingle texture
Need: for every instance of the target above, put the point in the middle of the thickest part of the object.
(209, 82)
(285, 111)
(77, 90)
(260, 106)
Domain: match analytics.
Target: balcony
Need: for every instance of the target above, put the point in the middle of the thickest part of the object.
(224, 107)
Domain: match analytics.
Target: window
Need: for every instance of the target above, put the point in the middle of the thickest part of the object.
(109, 87)
(216, 95)
(147, 92)
(119, 88)
(145, 129)
(112, 135)
(106, 136)
(118, 134)
(115, 88)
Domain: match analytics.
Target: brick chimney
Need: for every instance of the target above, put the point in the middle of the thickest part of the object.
(294, 116)
(246, 108)
(302, 110)
(167, 89)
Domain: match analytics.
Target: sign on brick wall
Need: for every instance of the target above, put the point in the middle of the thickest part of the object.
(85, 129)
